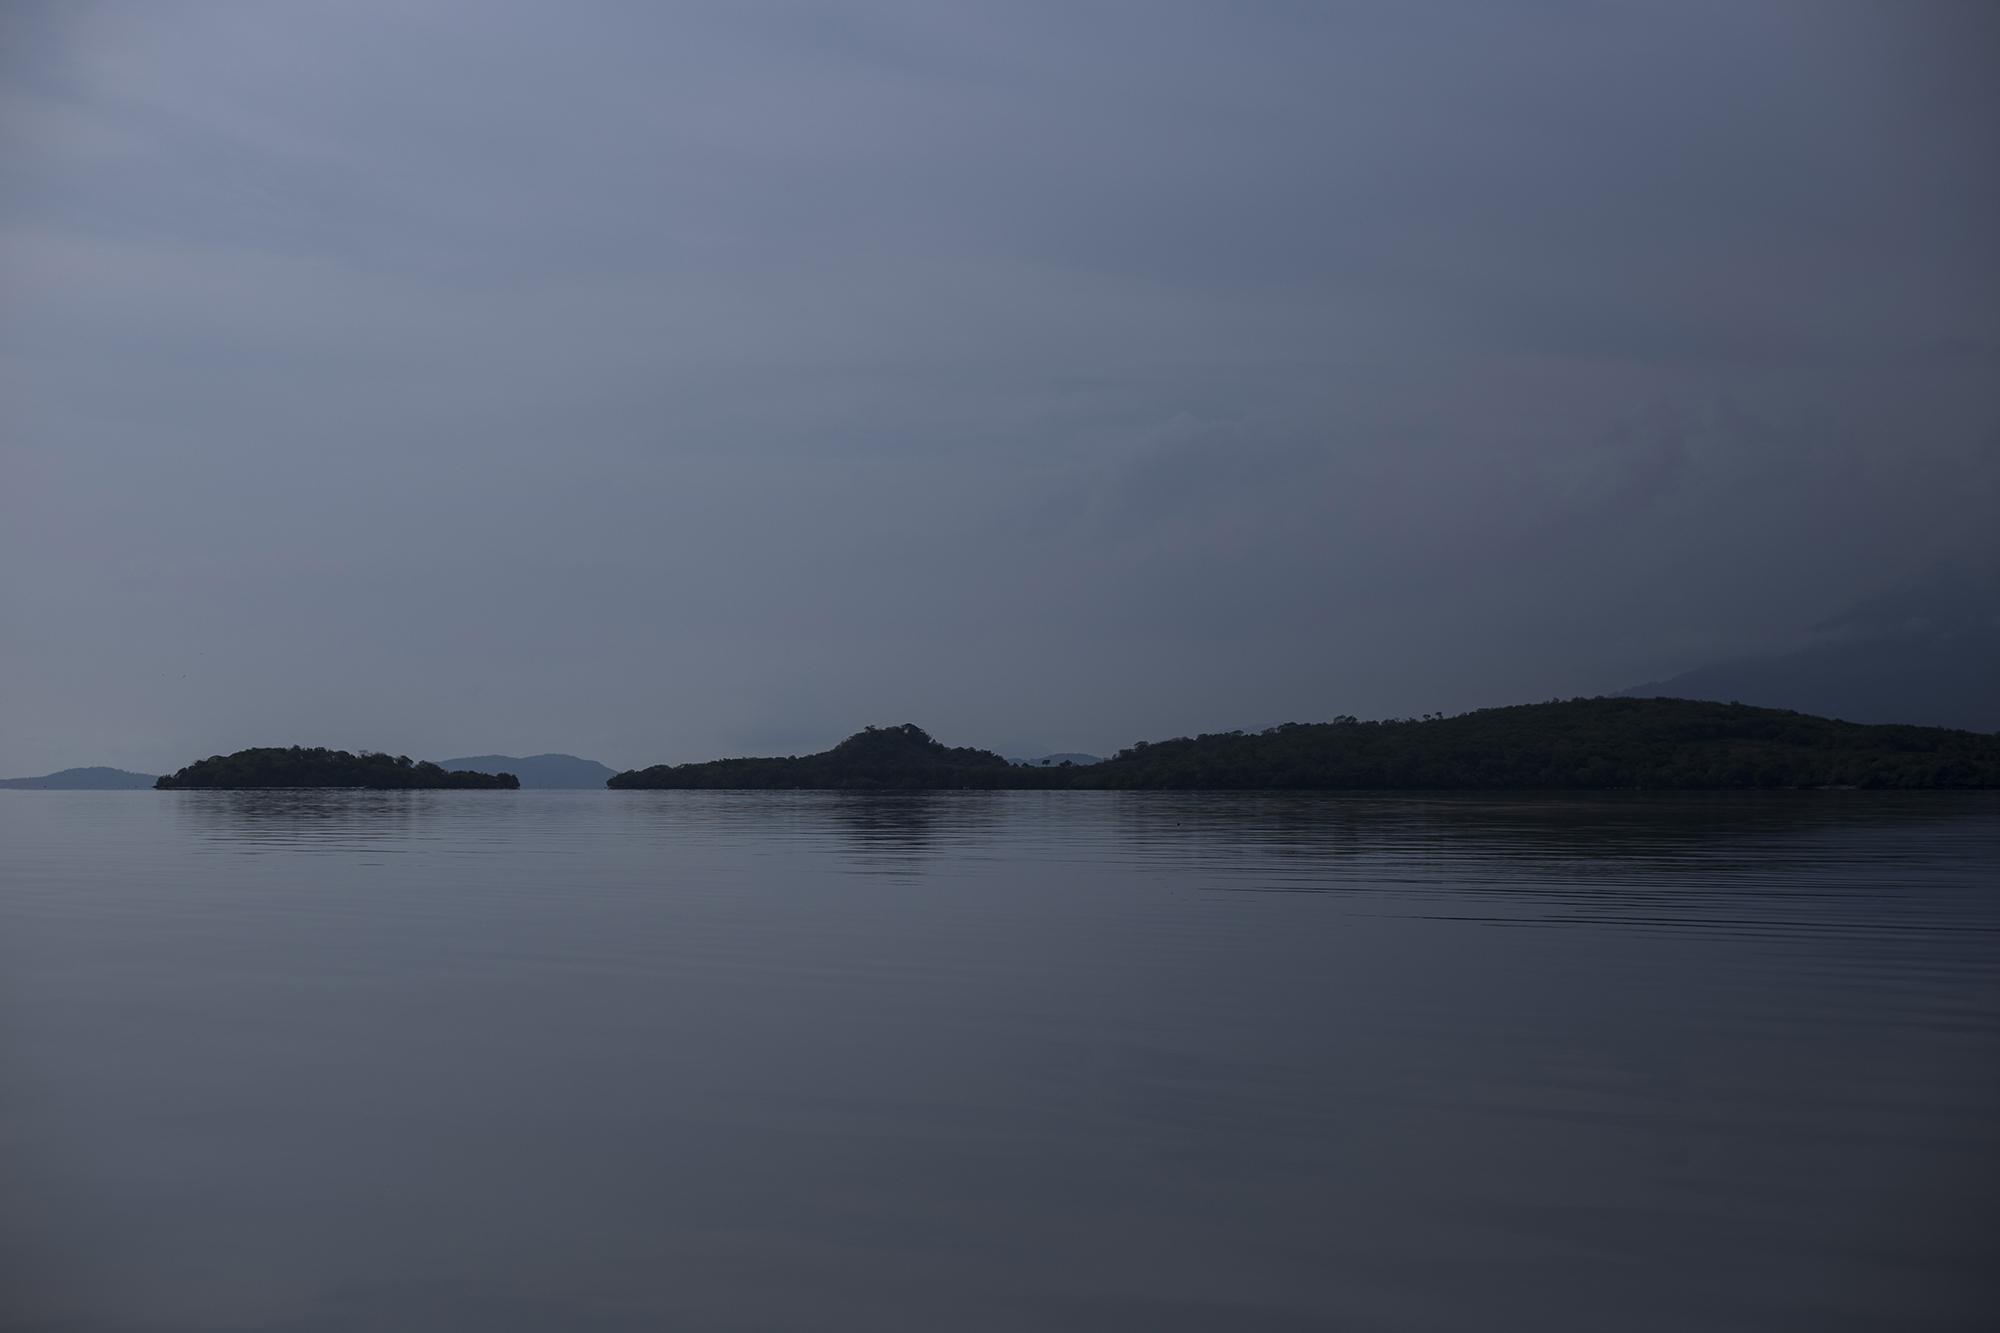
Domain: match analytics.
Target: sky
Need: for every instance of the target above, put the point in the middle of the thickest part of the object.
(655, 382)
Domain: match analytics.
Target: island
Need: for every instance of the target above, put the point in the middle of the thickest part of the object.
(1598, 744)
(878, 757)
(297, 766)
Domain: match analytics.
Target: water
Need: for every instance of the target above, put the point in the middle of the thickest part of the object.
(679, 1060)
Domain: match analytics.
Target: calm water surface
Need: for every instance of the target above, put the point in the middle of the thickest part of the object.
(1014, 1061)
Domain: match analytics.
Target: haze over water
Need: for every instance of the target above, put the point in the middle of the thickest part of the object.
(329, 1060)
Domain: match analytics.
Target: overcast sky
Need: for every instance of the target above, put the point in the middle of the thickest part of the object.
(657, 382)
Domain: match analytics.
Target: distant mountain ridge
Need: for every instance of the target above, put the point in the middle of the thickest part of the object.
(83, 779)
(538, 770)
(1925, 655)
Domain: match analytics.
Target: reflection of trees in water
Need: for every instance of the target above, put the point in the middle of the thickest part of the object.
(887, 822)
(903, 829)
(284, 815)
(876, 830)
(1822, 866)
(1643, 833)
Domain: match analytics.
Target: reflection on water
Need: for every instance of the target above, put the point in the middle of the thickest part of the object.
(633, 1060)
(301, 816)
(902, 831)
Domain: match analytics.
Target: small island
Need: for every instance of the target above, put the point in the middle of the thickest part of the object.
(902, 757)
(1604, 744)
(275, 766)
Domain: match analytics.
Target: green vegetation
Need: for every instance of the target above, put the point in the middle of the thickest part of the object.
(296, 767)
(1580, 744)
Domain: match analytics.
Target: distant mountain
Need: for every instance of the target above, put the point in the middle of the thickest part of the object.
(538, 770)
(83, 779)
(1928, 655)
(1058, 760)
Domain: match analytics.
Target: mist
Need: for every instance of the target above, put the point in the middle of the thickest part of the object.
(656, 383)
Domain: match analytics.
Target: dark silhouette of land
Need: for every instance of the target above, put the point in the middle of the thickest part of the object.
(299, 767)
(1579, 744)
(880, 757)
(538, 770)
(82, 779)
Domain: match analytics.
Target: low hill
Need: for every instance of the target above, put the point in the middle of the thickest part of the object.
(82, 779)
(298, 767)
(902, 757)
(539, 770)
(1577, 744)
(1580, 744)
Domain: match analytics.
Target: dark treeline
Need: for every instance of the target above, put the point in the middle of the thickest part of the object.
(1580, 744)
(297, 767)
(880, 757)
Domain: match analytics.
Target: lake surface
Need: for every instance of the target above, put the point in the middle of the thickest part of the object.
(997, 1061)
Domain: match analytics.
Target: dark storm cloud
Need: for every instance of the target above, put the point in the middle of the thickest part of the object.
(656, 382)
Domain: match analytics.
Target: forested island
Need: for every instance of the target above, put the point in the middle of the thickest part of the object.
(886, 757)
(1578, 744)
(299, 767)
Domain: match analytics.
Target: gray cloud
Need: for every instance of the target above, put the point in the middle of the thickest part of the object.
(658, 382)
